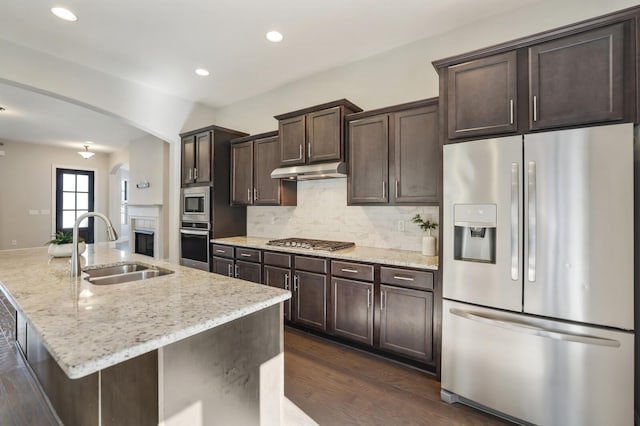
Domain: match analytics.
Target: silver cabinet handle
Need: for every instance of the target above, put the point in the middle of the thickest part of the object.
(384, 189)
(195, 174)
(300, 155)
(532, 221)
(249, 194)
(382, 299)
(309, 150)
(401, 278)
(286, 281)
(368, 297)
(190, 174)
(536, 330)
(236, 269)
(515, 195)
(397, 194)
(220, 251)
(353, 271)
(510, 111)
(255, 194)
(245, 255)
(535, 108)
(229, 270)
(295, 282)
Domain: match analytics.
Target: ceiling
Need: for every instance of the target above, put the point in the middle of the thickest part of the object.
(159, 43)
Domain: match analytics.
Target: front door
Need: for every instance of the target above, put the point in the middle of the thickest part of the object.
(74, 196)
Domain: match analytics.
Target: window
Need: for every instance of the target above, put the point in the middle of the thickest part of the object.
(74, 197)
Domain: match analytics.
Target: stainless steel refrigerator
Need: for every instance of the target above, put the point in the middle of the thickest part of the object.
(538, 284)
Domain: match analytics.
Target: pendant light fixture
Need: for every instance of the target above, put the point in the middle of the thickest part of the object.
(86, 154)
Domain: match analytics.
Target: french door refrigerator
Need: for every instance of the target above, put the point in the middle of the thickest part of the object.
(538, 290)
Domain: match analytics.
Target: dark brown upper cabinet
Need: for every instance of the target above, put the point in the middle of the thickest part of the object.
(482, 96)
(253, 158)
(394, 155)
(198, 156)
(314, 134)
(577, 79)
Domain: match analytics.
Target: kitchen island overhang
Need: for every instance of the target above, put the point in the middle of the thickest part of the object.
(212, 321)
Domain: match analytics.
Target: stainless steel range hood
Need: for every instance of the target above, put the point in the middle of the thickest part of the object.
(312, 171)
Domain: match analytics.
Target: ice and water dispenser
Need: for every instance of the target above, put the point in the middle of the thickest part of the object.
(474, 237)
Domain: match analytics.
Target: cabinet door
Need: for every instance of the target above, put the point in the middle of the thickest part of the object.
(324, 135)
(242, 173)
(482, 96)
(281, 278)
(249, 271)
(222, 266)
(406, 322)
(417, 158)
(267, 190)
(353, 310)
(368, 160)
(578, 79)
(293, 140)
(202, 171)
(310, 291)
(188, 159)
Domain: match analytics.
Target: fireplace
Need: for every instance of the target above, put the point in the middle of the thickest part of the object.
(144, 242)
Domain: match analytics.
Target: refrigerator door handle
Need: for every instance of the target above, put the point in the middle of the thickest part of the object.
(514, 220)
(523, 327)
(531, 202)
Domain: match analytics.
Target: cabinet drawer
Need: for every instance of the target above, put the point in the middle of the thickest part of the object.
(250, 255)
(311, 264)
(406, 278)
(222, 251)
(277, 259)
(356, 271)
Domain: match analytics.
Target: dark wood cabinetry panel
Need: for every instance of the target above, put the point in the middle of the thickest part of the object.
(310, 290)
(353, 310)
(482, 96)
(202, 170)
(222, 251)
(416, 152)
(324, 135)
(222, 266)
(188, 159)
(242, 173)
(267, 190)
(293, 141)
(249, 271)
(578, 79)
(406, 322)
(356, 271)
(279, 277)
(368, 160)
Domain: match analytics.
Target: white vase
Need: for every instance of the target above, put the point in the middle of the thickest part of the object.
(429, 245)
(64, 250)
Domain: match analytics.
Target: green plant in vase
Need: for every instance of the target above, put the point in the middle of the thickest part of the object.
(428, 241)
(61, 245)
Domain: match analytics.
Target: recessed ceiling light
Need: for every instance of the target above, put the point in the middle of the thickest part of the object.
(202, 72)
(274, 36)
(65, 14)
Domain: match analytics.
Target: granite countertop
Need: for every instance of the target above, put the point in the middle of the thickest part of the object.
(409, 259)
(87, 328)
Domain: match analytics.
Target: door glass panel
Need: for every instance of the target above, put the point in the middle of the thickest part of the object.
(83, 183)
(69, 201)
(68, 182)
(68, 218)
(83, 201)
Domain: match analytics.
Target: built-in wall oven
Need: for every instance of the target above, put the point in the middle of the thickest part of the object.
(195, 227)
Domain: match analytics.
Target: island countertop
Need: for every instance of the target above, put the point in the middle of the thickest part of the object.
(405, 258)
(87, 328)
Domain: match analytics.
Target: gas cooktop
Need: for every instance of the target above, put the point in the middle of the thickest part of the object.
(306, 243)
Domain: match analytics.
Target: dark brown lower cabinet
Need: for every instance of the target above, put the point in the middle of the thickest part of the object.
(310, 292)
(248, 271)
(275, 276)
(406, 322)
(353, 310)
(222, 266)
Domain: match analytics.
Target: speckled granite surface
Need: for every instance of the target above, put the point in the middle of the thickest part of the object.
(409, 259)
(87, 328)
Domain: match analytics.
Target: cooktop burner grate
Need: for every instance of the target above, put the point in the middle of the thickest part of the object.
(306, 243)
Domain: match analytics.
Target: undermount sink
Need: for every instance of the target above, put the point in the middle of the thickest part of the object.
(123, 273)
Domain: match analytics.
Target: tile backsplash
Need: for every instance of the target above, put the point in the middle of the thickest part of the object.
(322, 213)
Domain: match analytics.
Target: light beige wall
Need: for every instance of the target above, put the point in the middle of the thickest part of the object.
(148, 163)
(26, 187)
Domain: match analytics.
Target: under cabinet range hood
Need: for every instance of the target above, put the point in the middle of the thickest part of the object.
(312, 171)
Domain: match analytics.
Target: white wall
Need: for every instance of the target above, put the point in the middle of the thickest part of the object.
(148, 162)
(26, 186)
(118, 170)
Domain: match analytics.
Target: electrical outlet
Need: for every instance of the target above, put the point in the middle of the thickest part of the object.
(400, 226)
(14, 242)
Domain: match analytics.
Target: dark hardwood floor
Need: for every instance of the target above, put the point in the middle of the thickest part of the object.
(337, 385)
(334, 384)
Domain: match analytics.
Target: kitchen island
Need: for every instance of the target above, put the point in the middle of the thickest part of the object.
(185, 348)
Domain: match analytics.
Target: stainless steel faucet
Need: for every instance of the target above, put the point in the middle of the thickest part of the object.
(75, 257)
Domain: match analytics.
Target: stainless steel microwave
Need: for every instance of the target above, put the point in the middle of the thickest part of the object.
(196, 204)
